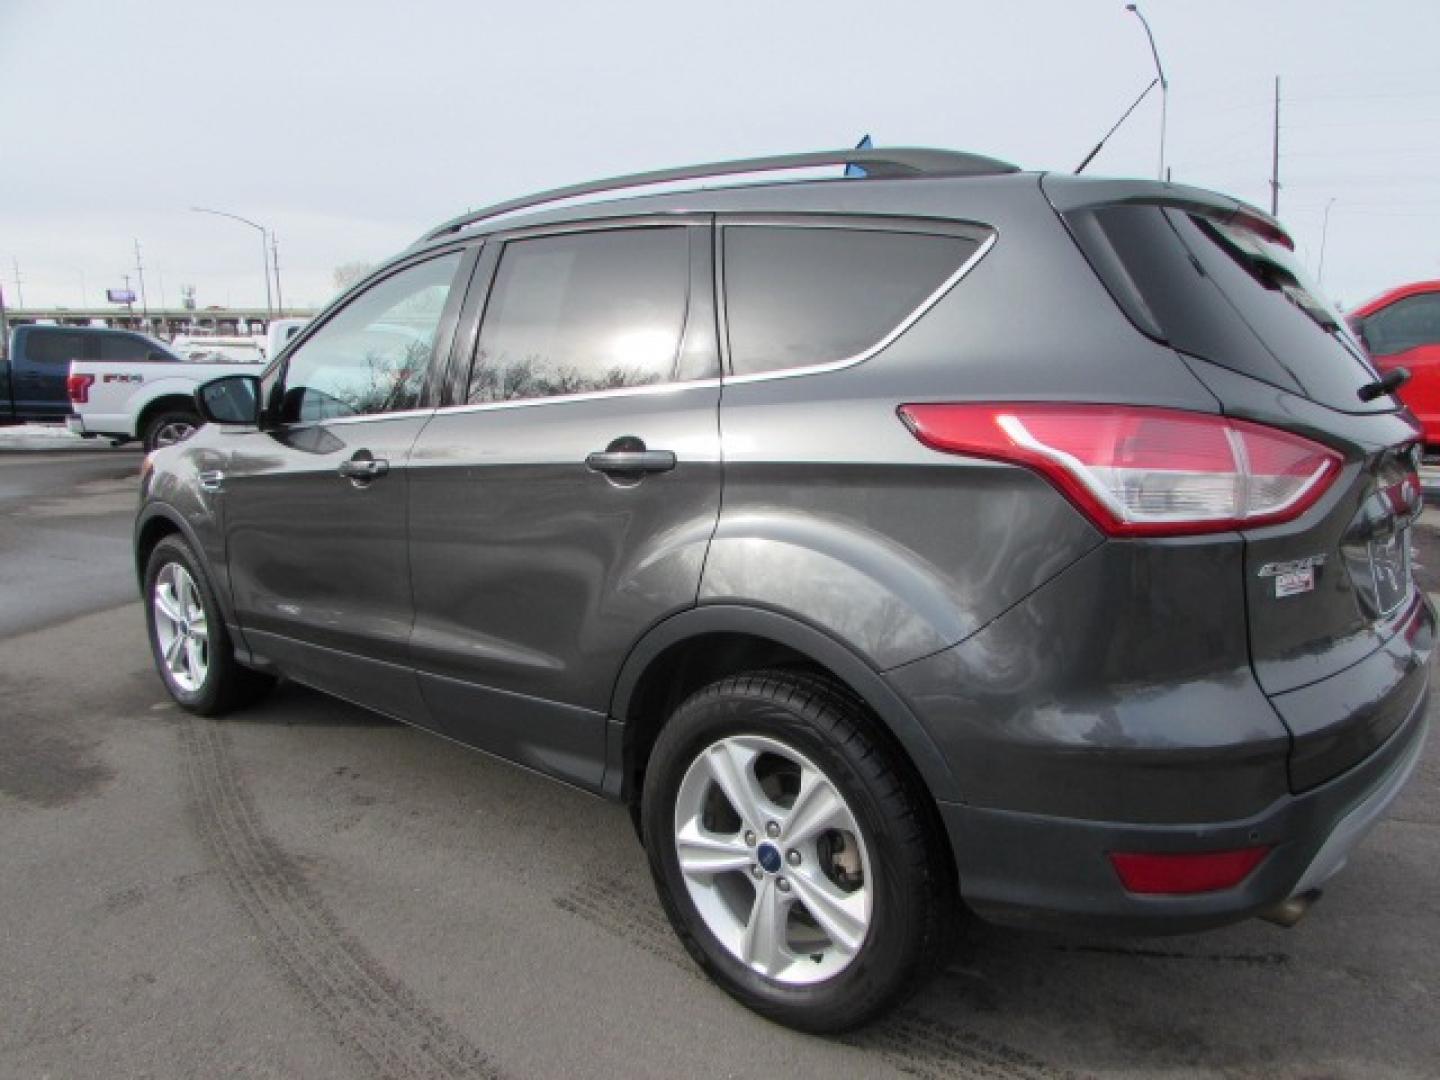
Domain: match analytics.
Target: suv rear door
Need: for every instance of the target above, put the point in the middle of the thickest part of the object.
(1328, 591)
(562, 504)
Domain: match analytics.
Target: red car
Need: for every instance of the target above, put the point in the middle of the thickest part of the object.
(1401, 328)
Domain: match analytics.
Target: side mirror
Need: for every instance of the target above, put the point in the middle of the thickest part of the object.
(233, 399)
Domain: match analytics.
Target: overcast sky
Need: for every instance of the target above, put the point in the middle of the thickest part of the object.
(350, 128)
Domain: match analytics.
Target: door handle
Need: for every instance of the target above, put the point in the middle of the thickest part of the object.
(631, 461)
(367, 468)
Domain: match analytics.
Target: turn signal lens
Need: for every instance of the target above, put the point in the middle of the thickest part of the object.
(1137, 471)
(1175, 873)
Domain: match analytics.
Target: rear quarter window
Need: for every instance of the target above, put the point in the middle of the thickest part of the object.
(799, 296)
(128, 349)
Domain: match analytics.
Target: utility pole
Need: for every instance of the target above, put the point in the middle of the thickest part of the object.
(1275, 157)
(19, 291)
(275, 253)
(140, 270)
(129, 304)
(4, 328)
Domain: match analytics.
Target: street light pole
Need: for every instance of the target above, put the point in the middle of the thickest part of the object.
(1324, 234)
(1164, 84)
(264, 250)
(279, 297)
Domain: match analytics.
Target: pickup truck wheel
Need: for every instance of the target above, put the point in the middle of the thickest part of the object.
(170, 427)
(188, 638)
(794, 853)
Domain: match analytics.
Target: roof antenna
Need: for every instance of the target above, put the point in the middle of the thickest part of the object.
(1134, 105)
(859, 170)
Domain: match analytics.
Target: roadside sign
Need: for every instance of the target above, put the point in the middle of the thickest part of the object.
(120, 296)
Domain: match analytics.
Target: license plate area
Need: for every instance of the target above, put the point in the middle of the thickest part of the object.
(1390, 569)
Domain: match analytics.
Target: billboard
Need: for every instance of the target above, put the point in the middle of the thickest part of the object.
(120, 296)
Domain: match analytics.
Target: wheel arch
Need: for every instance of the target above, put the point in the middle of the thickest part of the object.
(177, 401)
(705, 643)
(158, 520)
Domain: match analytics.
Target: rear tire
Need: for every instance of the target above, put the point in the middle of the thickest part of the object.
(852, 906)
(169, 427)
(188, 638)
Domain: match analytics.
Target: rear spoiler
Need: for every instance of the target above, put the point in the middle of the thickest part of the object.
(1069, 194)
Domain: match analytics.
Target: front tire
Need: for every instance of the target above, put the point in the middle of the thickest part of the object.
(188, 639)
(794, 851)
(169, 427)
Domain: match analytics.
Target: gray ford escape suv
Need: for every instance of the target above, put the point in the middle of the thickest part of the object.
(946, 532)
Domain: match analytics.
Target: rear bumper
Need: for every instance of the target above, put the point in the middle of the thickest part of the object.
(75, 424)
(1039, 870)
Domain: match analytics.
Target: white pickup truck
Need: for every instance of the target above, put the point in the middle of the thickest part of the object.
(151, 400)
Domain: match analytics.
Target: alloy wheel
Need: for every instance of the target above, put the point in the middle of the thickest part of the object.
(773, 859)
(181, 630)
(173, 432)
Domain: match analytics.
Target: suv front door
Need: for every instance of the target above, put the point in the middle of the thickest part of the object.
(315, 504)
(564, 501)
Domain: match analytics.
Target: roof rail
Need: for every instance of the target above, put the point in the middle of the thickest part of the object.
(902, 161)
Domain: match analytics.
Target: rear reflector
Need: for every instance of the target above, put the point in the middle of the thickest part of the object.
(1137, 471)
(78, 387)
(1175, 873)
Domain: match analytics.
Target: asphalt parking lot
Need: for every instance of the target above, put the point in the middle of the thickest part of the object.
(306, 890)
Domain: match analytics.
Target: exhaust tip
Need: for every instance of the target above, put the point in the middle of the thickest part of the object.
(1289, 912)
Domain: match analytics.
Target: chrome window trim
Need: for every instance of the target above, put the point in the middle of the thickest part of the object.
(363, 418)
(886, 341)
(677, 219)
(591, 395)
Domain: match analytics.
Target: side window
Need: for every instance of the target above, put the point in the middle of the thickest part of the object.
(796, 296)
(126, 348)
(583, 312)
(59, 347)
(372, 356)
(1404, 325)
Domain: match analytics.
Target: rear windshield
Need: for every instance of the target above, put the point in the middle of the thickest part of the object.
(1228, 295)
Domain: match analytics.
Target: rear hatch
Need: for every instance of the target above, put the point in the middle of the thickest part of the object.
(1335, 618)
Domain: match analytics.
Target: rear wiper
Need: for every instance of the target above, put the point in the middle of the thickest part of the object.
(1386, 384)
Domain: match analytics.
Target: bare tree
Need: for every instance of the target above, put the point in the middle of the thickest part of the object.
(350, 273)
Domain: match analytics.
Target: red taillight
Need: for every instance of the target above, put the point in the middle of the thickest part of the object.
(1173, 873)
(78, 387)
(1139, 471)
